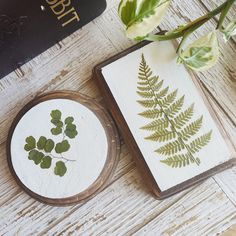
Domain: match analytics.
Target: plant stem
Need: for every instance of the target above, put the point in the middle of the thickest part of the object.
(190, 27)
(224, 13)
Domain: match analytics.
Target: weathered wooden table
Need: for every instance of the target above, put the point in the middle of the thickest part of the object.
(125, 207)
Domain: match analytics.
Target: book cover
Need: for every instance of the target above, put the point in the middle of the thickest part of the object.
(27, 28)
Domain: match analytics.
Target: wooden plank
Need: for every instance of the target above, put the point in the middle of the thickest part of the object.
(109, 214)
(203, 211)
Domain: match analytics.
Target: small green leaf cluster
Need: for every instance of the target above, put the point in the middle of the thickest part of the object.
(171, 124)
(40, 151)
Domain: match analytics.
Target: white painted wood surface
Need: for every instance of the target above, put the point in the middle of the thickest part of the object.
(124, 207)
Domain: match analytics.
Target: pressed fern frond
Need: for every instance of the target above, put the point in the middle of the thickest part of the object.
(177, 161)
(147, 103)
(162, 93)
(171, 148)
(175, 107)
(153, 80)
(151, 114)
(169, 99)
(156, 125)
(191, 129)
(146, 94)
(200, 142)
(162, 136)
(171, 124)
(183, 117)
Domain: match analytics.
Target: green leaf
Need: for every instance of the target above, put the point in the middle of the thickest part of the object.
(60, 168)
(162, 136)
(147, 103)
(64, 146)
(174, 108)
(127, 10)
(191, 129)
(56, 131)
(41, 143)
(71, 131)
(177, 161)
(184, 117)
(229, 31)
(35, 156)
(169, 99)
(151, 114)
(30, 143)
(156, 125)
(56, 115)
(171, 148)
(197, 144)
(49, 146)
(201, 54)
(69, 120)
(142, 17)
(46, 162)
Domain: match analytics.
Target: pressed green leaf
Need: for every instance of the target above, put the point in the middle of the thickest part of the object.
(147, 103)
(184, 117)
(56, 131)
(64, 146)
(71, 131)
(171, 148)
(174, 108)
(156, 125)
(60, 168)
(36, 156)
(57, 123)
(162, 136)
(46, 162)
(162, 93)
(151, 113)
(177, 161)
(41, 143)
(191, 129)
(197, 144)
(30, 143)
(56, 114)
(146, 94)
(69, 120)
(32, 154)
(169, 99)
(49, 145)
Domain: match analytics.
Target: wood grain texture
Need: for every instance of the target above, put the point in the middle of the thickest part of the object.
(124, 207)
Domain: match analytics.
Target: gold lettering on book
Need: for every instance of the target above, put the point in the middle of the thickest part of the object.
(63, 11)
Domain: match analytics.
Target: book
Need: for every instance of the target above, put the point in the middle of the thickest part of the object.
(166, 120)
(27, 28)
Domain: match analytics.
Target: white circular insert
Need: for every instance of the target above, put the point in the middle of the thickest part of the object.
(84, 160)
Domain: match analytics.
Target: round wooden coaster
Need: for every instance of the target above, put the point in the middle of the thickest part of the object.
(62, 148)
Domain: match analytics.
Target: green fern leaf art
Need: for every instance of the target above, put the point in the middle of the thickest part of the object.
(169, 123)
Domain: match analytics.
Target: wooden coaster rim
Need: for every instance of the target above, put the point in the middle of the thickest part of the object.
(113, 142)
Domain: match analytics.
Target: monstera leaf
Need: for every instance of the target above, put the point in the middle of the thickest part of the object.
(142, 16)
